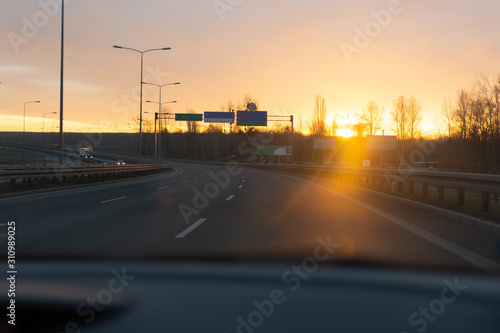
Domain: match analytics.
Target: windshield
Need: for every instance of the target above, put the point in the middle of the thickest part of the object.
(252, 130)
(250, 166)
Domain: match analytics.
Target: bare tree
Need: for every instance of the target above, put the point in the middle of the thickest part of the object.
(359, 128)
(229, 107)
(447, 115)
(373, 118)
(299, 129)
(497, 115)
(247, 100)
(318, 123)
(414, 117)
(462, 112)
(400, 118)
(192, 126)
(488, 96)
(439, 125)
(334, 126)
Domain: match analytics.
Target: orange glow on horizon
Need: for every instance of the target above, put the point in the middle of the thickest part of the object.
(344, 133)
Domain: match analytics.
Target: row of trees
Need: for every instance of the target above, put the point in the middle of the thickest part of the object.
(406, 116)
(468, 129)
(470, 125)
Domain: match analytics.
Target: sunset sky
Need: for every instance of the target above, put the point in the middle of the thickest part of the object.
(282, 52)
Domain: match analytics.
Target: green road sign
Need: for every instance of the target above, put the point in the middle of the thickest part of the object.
(188, 117)
(274, 150)
(252, 123)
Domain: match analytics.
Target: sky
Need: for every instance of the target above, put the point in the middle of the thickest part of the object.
(281, 52)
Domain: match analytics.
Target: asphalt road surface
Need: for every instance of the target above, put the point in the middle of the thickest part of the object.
(219, 211)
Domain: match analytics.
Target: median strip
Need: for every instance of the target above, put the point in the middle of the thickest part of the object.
(111, 200)
(190, 228)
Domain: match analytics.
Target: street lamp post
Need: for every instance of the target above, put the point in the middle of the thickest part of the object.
(159, 123)
(61, 91)
(43, 127)
(160, 148)
(156, 137)
(24, 125)
(142, 62)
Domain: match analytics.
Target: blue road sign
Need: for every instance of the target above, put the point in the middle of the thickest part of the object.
(219, 117)
(251, 118)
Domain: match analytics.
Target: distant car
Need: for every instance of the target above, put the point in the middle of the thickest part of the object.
(120, 162)
(85, 153)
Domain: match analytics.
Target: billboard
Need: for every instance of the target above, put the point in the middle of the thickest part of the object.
(382, 142)
(324, 143)
(274, 150)
(219, 117)
(251, 118)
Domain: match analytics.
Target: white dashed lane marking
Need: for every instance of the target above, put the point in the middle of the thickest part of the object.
(111, 200)
(191, 228)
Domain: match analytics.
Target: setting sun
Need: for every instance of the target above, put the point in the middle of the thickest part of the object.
(345, 132)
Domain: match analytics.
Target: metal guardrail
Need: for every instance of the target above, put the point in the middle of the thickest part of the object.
(482, 183)
(65, 172)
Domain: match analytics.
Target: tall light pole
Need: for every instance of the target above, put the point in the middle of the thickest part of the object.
(159, 122)
(61, 137)
(159, 113)
(24, 125)
(156, 136)
(43, 127)
(142, 62)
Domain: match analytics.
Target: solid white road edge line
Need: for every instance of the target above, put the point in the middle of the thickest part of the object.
(474, 258)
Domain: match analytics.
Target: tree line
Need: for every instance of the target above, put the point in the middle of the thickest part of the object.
(467, 132)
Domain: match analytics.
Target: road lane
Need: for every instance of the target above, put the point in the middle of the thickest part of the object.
(255, 213)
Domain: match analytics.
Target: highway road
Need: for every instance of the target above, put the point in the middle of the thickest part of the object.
(227, 211)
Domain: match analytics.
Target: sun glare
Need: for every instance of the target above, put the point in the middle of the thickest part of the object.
(345, 132)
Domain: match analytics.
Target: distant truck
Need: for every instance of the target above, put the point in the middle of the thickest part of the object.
(86, 153)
